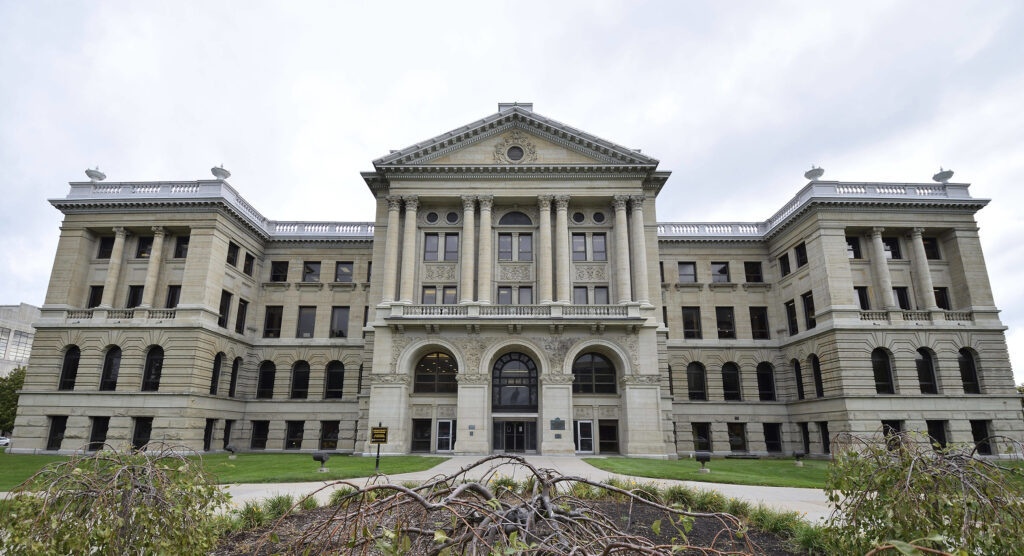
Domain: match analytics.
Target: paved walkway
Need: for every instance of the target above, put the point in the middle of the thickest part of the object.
(808, 501)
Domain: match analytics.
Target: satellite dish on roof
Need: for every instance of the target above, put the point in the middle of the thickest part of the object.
(814, 173)
(943, 176)
(220, 173)
(95, 175)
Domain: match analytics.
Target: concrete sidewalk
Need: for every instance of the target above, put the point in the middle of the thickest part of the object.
(808, 501)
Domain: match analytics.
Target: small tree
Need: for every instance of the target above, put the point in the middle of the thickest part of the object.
(9, 387)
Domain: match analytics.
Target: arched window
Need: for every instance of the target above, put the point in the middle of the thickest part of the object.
(515, 218)
(799, 377)
(819, 386)
(69, 370)
(926, 372)
(881, 364)
(593, 373)
(218, 362)
(265, 383)
(154, 367)
(969, 372)
(111, 366)
(696, 381)
(731, 382)
(766, 382)
(235, 366)
(300, 380)
(334, 380)
(514, 383)
(435, 373)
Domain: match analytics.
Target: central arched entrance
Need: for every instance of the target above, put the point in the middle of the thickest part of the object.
(514, 403)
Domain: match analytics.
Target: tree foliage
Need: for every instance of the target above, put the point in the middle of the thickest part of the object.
(9, 386)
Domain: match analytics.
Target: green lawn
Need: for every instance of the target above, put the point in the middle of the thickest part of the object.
(766, 472)
(248, 468)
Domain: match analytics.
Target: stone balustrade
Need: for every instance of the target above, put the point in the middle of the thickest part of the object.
(473, 311)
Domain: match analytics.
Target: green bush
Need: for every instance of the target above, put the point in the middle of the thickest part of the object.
(309, 503)
(276, 506)
(115, 502)
(338, 496)
(678, 494)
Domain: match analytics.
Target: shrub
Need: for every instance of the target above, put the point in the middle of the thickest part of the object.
(115, 502)
(309, 503)
(277, 506)
(773, 521)
(338, 496)
(251, 515)
(678, 494)
(708, 501)
(502, 484)
(738, 508)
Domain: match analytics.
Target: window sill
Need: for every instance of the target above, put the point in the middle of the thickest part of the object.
(343, 286)
(312, 286)
(689, 285)
(277, 286)
(723, 286)
(757, 286)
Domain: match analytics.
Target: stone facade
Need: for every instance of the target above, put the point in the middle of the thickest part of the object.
(16, 334)
(506, 298)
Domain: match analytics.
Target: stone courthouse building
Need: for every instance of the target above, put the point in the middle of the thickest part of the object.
(515, 292)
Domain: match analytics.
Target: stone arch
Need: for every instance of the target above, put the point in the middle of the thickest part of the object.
(412, 353)
(612, 351)
(491, 354)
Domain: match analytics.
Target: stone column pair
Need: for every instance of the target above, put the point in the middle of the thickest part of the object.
(153, 267)
(113, 268)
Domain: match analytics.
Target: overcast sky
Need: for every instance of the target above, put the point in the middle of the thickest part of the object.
(737, 99)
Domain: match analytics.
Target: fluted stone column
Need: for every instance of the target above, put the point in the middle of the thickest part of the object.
(922, 272)
(621, 248)
(486, 260)
(544, 250)
(562, 259)
(640, 283)
(391, 250)
(468, 248)
(409, 249)
(881, 268)
(113, 268)
(153, 267)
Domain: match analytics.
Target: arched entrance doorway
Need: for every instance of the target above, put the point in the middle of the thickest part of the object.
(514, 403)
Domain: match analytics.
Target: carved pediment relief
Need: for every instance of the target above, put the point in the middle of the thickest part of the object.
(514, 147)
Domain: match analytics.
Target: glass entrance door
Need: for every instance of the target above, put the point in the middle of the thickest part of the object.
(445, 435)
(515, 436)
(584, 435)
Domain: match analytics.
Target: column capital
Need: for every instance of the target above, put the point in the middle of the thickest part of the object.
(637, 201)
(120, 231)
(561, 202)
(916, 232)
(544, 202)
(158, 231)
(619, 202)
(486, 201)
(394, 202)
(468, 202)
(412, 202)
(877, 231)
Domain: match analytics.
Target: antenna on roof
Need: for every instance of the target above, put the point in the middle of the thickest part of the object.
(95, 175)
(943, 175)
(814, 173)
(220, 173)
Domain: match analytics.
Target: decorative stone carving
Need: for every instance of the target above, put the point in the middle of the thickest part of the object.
(642, 380)
(515, 272)
(553, 378)
(629, 342)
(608, 412)
(439, 272)
(486, 201)
(422, 411)
(468, 202)
(619, 202)
(637, 201)
(561, 202)
(446, 411)
(412, 202)
(471, 349)
(476, 378)
(515, 138)
(544, 202)
(556, 349)
(389, 379)
(394, 202)
(590, 272)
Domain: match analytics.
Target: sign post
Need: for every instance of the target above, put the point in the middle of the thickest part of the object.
(378, 436)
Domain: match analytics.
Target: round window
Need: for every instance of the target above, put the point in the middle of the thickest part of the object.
(598, 217)
(514, 153)
(452, 217)
(431, 217)
(578, 217)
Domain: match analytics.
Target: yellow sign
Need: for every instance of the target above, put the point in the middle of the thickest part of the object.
(378, 435)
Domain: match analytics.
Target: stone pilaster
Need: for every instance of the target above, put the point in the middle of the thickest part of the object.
(391, 250)
(640, 282)
(468, 248)
(153, 267)
(880, 266)
(544, 249)
(114, 268)
(922, 272)
(409, 249)
(621, 249)
(562, 258)
(483, 293)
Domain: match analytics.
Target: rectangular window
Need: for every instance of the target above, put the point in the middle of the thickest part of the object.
(106, 247)
(902, 296)
(773, 437)
(260, 431)
(696, 382)
(526, 295)
(143, 432)
(691, 323)
(225, 308)
(942, 298)
(862, 297)
(853, 247)
(892, 247)
(173, 296)
(504, 247)
(687, 272)
(720, 273)
(144, 247)
(599, 247)
(339, 322)
(661, 271)
(980, 433)
(250, 262)
(366, 317)
(701, 437)
(329, 435)
(891, 431)
(278, 271)
(759, 323)
(228, 425)
(525, 247)
(931, 248)
(579, 295)
(181, 247)
(208, 434)
(95, 297)
(311, 271)
(98, 434)
(232, 253)
(600, 295)
(369, 270)
(794, 328)
(805, 436)
(293, 434)
(451, 247)
(272, 321)
(784, 264)
(429, 295)
(306, 323)
(430, 247)
(752, 269)
(808, 301)
(243, 308)
(737, 437)
(826, 441)
(579, 247)
(937, 433)
(726, 323)
(134, 297)
(265, 381)
(58, 424)
(801, 254)
(449, 295)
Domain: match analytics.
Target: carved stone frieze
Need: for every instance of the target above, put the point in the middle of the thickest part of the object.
(590, 272)
(515, 272)
(556, 349)
(389, 379)
(475, 378)
(631, 345)
(422, 411)
(515, 138)
(444, 272)
(472, 348)
(446, 411)
(643, 380)
(556, 378)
